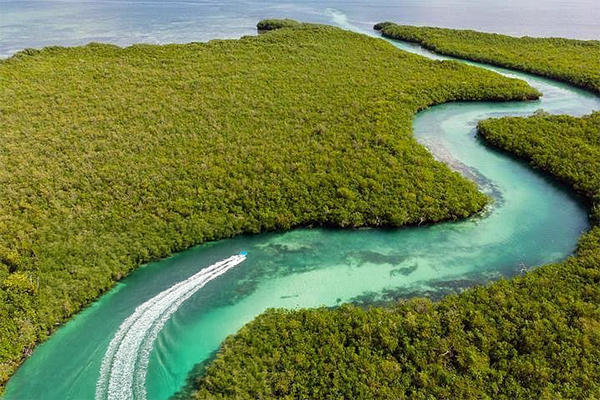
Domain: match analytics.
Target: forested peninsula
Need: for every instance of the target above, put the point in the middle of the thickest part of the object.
(568, 60)
(112, 157)
(533, 336)
(546, 140)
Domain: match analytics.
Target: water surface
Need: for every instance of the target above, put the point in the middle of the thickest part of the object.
(533, 221)
(39, 23)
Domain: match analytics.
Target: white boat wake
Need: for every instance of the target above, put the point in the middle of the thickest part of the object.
(125, 364)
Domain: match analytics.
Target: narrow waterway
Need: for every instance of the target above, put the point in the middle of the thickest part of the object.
(533, 221)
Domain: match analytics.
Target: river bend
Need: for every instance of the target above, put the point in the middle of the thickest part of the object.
(532, 221)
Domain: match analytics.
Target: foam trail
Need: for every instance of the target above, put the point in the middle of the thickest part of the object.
(125, 364)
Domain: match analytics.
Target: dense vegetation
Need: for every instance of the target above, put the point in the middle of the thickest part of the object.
(112, 157)
(547, 140)
(534, 336)
(573, 61)
(272, 24)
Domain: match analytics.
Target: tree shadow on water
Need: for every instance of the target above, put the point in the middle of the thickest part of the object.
(186, 391)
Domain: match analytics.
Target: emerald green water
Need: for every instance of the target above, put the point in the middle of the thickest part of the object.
(532, 221)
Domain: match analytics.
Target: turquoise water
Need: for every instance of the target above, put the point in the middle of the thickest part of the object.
(532, 221)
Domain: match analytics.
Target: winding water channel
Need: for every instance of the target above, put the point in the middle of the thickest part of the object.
(532, 221)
